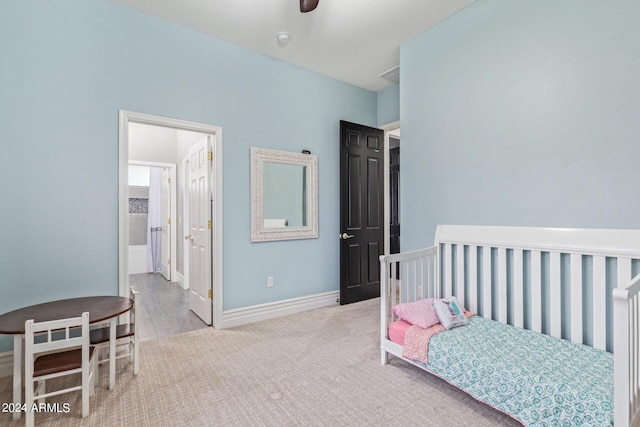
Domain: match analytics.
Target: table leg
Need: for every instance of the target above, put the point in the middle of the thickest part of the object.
(17, 373)
(112, 353)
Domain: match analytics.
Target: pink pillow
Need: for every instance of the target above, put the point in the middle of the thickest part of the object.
(419, 313)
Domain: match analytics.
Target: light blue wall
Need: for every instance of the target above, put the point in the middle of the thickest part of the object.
(69, 66)
(389, 105)
(522, 113)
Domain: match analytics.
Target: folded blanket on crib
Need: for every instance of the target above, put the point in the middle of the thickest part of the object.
(537, 379)
(416, 340)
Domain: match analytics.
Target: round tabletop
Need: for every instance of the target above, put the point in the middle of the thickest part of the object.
(99, 307)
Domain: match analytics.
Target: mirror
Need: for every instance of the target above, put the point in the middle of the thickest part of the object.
(284, 195)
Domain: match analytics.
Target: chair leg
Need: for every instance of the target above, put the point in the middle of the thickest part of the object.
(104, 354)
(136, 354)
(87, 379)
(92, 376)
(28, 402)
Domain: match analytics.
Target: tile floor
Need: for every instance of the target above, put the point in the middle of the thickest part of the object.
(165, 307)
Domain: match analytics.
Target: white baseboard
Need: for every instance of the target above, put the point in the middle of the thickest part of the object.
(180, 279)
(256, 313)
(6, 364)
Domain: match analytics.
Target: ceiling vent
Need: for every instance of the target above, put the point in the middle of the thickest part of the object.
(392, 75)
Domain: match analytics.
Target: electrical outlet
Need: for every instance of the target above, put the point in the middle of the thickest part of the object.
(269, 281)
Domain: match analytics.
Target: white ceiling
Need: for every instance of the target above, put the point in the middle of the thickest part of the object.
(349, 40)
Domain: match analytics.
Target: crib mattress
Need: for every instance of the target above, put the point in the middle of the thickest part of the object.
(537, 379)
(397, 331)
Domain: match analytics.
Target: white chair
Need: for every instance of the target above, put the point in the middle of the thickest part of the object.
(127, 335)
(50, 352)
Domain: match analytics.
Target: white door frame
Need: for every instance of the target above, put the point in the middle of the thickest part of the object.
(126, 117)
(185, 229)
(173, 213)
(387, 199)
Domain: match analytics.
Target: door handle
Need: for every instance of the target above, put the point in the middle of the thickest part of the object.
(345, 236)
(188, 237)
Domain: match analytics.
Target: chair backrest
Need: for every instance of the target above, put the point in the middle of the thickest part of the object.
(134, 294)
(56, 335)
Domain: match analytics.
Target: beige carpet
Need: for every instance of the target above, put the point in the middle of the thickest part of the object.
(319, 368)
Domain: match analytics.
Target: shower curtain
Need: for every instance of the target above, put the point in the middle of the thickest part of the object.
(154, 226)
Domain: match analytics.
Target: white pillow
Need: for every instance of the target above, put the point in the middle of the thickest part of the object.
(450, 313)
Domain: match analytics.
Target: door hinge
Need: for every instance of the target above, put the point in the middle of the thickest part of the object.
(169, 180)
(169, 221)
(210, 155)
(210, 224)
(211, 293)
(169, 262)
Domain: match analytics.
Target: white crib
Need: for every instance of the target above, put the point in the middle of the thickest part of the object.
(575, 284)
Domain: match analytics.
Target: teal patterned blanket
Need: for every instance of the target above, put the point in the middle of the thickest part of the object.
(537, 379)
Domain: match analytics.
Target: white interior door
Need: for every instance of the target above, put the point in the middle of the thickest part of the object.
(165, 223)
(200, 229)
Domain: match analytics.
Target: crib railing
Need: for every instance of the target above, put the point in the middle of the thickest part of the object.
(553, 281)
(626, 353)
(407, 277)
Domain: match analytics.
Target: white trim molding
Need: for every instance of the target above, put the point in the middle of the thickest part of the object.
(180, 279)
(389, 130)
(256, 313)
(126, 117)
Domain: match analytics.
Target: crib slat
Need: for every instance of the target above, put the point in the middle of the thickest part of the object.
(502, 285)
(536, 291)
(518, 289)
(406, 280)
(411, 281)
(417, 283)
(431, 278)
(599, 302)
(425, 277)
(402, 279)
(636, 352)
(460, 274)
(422, 277)
(486, 282)
(391, 288)
(473, 278)
(624, 271)
(447, 270)
(576, 298)
(633, 354)
(634, 344)
(393, 282)
(555, 292)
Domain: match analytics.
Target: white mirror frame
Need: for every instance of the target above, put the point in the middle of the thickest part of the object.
(260, 156)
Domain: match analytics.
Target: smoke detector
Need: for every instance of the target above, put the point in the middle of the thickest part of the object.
(283, 38)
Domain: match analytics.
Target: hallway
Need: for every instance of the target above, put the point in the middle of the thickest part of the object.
(165, 307)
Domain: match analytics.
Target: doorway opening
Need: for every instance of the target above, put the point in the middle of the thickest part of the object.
(152, 205)
(161, 146)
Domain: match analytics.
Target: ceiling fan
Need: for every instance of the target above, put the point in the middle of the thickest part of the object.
(308, 5)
